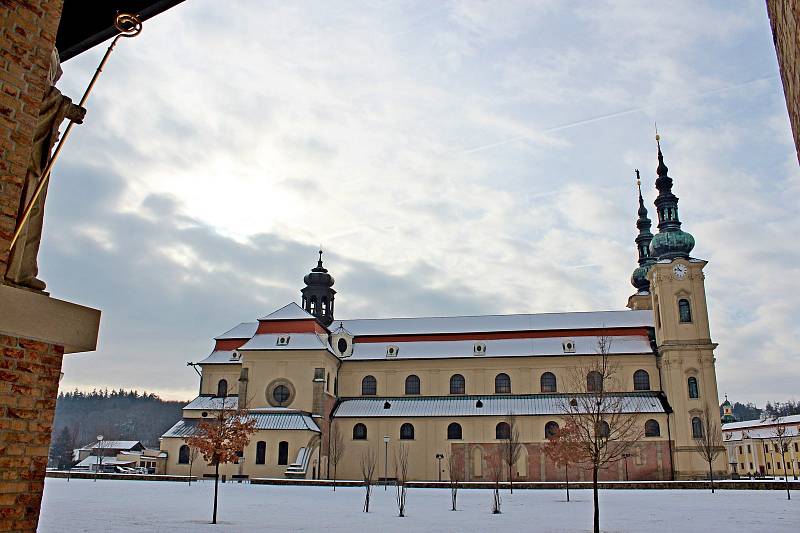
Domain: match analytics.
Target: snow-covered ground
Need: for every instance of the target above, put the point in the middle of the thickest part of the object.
(110, 505)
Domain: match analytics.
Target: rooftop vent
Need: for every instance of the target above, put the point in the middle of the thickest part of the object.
(568, 346)
(479, 348)
(283, 340)
(478, 404)
(387, 405)
(391, 351)
(235, 356)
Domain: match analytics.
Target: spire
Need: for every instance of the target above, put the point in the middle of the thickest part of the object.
(671, 241)
(643, 223)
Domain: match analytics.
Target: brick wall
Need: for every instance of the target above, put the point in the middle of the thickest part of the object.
(784, 16)
(27, 34)
(29, 374)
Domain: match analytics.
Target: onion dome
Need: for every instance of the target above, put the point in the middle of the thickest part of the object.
(639, 276)
(318, 294)
(670, 241)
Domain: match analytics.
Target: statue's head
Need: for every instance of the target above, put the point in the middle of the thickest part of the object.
(55, 71)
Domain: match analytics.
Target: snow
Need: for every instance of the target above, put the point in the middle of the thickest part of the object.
(290, 311)
(112, 505)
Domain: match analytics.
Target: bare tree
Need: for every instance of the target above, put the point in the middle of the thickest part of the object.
(564, 448)
(401, 473)
(605, 426)
(194, 453)
(495, 467)
(335, 449)
(456, 475)
(368, 462)
(99, 448)
(708, 443)
(781, 439)
(511, 447)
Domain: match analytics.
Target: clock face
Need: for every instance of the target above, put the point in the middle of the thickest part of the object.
(680, 271)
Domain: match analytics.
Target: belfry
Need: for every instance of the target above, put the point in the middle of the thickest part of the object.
(318, 293)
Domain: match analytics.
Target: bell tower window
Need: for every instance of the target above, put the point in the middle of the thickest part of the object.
(684, 311)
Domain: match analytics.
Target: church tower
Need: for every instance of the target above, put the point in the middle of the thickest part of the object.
(318, 293)
(641, 299)
(685, 351)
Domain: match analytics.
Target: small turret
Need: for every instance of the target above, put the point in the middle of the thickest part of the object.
(318, 293)
(639, 276)
(670, 242)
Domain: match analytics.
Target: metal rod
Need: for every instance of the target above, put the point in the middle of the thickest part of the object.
(129, 26)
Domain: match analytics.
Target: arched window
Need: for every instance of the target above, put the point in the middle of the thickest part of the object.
(454, 431)
(406, 432)
(652, 429)
(697, 428)
(369, 386)
(261, 452)
(548, 382)
(457, 384)
(412, 384)
(222, 388)
(684, 310)
(183, 455)
(313, 305)
(693, 390)
(359, 432)
(283, 453)
(603, 429)
(550, 429)
(502, 431)
(502, 384)
(594, 381)
(641, 380)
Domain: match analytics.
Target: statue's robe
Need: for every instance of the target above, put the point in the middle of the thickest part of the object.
(22, 265)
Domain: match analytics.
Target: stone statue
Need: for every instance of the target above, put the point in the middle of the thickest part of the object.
(22, 265)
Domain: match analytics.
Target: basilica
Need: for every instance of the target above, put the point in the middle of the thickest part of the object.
(444, 386)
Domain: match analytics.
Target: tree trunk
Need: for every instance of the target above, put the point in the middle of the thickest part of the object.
(334, 478)
(566, 472)
(596, 500)
(786, 477)
(216, 485)
(711, 476)
(510, 477)
(190, 473)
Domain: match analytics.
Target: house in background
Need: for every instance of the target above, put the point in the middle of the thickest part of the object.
(116, 455)
(752, 450)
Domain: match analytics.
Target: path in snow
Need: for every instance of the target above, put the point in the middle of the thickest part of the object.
(111, 505)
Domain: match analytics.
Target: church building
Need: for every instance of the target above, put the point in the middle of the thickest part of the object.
(444, 386)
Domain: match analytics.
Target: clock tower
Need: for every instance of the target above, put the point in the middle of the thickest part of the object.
(685, 350)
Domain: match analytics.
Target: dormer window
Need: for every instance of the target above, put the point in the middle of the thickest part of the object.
(479, 348)
(568, 346)
(391, 351)
(235, 355)
(283, 340)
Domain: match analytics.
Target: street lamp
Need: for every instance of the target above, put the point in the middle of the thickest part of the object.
(99, 460)
(439, 457)
(626, 455)
(386, 440)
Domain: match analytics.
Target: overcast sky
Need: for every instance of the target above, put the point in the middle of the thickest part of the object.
(451, 157)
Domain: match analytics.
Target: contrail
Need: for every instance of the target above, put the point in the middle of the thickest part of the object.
(619, 114)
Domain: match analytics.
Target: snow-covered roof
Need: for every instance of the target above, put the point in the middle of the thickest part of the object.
(92, 460)
(792, 419)
(114, 445)
(500, 347)
(297, 341)
(265, 420)
(757, 433)
(493, 323)
(213, 402)
(245, 330)
(220, 357)
(492, 405)
(290, 311)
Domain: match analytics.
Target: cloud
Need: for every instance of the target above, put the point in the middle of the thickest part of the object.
(225, 143)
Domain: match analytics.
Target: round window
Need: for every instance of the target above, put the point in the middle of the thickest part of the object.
(281, 394)
(342, 345)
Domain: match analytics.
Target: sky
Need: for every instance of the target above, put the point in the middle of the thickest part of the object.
(451, 158)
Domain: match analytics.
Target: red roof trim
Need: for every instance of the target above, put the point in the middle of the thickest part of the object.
(492, 335)
(229, 344)
(306, 325)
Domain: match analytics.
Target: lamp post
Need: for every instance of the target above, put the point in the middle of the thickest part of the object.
(626, 455)
(439, 458)
(99, 460)
(386, 440)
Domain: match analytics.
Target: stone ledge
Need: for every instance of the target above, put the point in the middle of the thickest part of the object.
(32, 315)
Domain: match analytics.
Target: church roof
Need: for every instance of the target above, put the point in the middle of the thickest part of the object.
(295, 341)
(547, 346)
(213, 402)
(792, 419)
(245, 330)
(220, 357)
(497, 323)
(492, 405)
(290, 311)
(270, 419)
